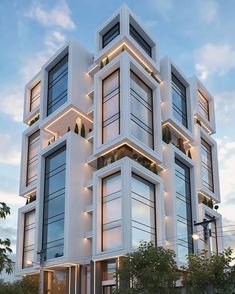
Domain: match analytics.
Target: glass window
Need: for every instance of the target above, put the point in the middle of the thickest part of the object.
(35, 96)
(54, 201)
(143, 211)
(29, 230)
(203, 105)
(109, 269)
(183, 211)
(57, 281)
(207, 166)
(32, 162)
(140, 40)
(141, 111)
(110, 35)
(57, 85)
(112, 212)
(179, 100)
(213, 243)
(111, 107)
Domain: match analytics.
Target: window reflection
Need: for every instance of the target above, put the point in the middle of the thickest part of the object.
(141, 111)
(57, 281)
(32, 161)
(57, 85)
(35, 96)
(183, 211)
(110, 35)
(28, 247)
(203, 105)
(207, 166)
(54, 200)
(111, 111)
(179, 100)
(143, 211)
(111, 212)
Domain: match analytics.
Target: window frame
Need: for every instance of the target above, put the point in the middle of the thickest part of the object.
(108, 32)
(119, 105)
(204, 145)
(205, 111)
(133, 173)
(140, 40)
(183, 98)
(152, 112)
(31, 98)
(48, 112)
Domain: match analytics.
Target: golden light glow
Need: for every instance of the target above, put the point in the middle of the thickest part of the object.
(29, 262)
(209, 132)
(125, 143)
(204, 195)
(124, 44)
(92, 69)
(169, 124)
(89, 93)
(36, 115)
(58, 118)
(29, 194)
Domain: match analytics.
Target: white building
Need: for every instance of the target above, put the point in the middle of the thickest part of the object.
(98, 176)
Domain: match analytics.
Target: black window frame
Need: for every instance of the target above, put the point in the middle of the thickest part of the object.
(150, 108)
(140, 40)
(45, 223)
(116, 116)
(205, 110)
(208, 149)
(176, 84)
(33, 98)
(34, 226)
(116, 32)
(36, 157)
(133, 174)
(50, 85)
(188, 201)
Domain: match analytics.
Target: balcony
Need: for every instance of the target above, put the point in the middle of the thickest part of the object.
(70, 121)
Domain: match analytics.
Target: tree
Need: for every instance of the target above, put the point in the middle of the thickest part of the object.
(5, 262)
(28, 285)
(149, 269)
(210, 275)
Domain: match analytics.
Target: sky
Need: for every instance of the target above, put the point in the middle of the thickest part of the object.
(198, 35)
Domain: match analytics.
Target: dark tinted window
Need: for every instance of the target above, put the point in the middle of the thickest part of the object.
(57, 85)
(183, 211)
(140, 40)
(110, 35)
(179, 100)
(54, 201)
(207, 166)
(32, 164)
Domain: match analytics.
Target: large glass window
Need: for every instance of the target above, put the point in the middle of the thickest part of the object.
(110, 35)
(203, 105)
(141, 111)
(140, 40)
(28, 248)
(111, 107)
(111, 212)
(35, 96)
(108, 271)
(57, 281)
(183, 211)
(57, 85)
(32, 161)
(207, 166)
(54, 201)
(179, 100)
(143, 211)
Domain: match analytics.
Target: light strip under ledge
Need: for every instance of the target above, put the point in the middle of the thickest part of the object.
(169, 124)
(209, 132)
(58, 118)
(133, 52)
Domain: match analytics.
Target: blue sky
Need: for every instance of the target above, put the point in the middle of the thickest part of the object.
(198, 35)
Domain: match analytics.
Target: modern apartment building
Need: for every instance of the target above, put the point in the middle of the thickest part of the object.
(118, 150)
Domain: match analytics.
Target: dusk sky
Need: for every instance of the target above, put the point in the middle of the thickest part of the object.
(199, 36)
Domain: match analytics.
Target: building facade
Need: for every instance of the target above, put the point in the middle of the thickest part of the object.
(118, 150)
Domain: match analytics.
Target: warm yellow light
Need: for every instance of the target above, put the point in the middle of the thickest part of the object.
(209, 132)
(169, 124)
(195, 237)
(36, 115)
(89, 93)
(29, 262)
(58, 118)
(31, 192)
(133, 52)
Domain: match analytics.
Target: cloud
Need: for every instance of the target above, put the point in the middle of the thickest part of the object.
(12, 99)
(59, 16)
(9, 152)
(163, 7)
(225, 111)
(208, 11)
(214, 58)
